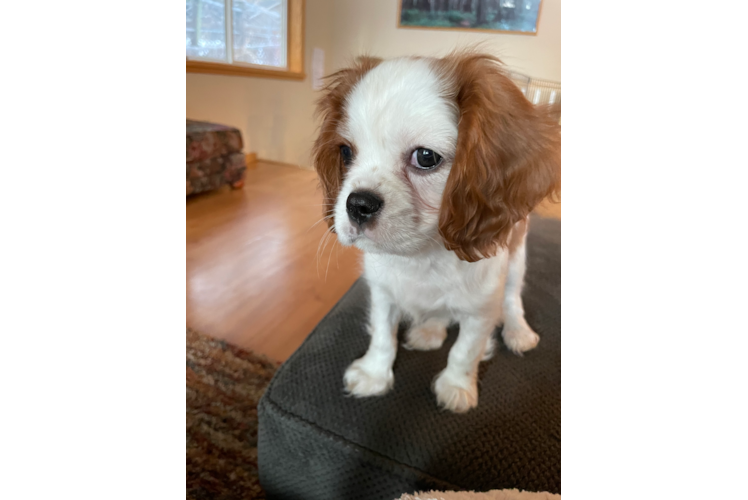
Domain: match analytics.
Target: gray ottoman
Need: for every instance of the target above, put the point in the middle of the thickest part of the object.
(316, 443)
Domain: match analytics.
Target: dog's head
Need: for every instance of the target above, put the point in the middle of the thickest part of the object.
(415, 152)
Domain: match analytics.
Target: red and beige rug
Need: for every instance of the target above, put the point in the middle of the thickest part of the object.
(224, 385)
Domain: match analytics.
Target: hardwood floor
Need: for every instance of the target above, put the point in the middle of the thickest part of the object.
(253, 273)
(253, 276)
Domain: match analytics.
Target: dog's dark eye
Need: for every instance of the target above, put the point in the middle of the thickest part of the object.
(347, 153)
(425, 159)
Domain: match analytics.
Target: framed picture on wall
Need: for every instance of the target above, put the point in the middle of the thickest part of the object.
(503, 16)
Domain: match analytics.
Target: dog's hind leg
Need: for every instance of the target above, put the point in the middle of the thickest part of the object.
(427, 335)
(517, 334)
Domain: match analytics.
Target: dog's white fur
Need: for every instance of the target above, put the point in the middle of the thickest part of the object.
(401, 105)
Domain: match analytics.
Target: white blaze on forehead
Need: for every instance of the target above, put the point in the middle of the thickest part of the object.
(400, 105)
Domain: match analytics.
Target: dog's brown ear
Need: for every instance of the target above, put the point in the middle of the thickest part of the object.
(507, 160)
(331, 109)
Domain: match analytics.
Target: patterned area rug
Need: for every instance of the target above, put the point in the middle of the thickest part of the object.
(224, 385)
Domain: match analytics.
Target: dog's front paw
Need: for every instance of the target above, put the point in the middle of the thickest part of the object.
(361, 381)
(520, 339)
(456, 393)
(426, 337)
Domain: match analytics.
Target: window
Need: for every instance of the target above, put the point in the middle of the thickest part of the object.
(246, 37)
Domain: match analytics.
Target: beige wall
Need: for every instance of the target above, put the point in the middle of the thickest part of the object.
(569, 41)
(275, 116)
(370, 26)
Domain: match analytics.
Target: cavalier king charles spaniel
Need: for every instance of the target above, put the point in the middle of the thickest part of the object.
(431, 167)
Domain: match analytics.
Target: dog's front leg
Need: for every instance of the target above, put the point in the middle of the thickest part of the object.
(456, 387)
(371, 375)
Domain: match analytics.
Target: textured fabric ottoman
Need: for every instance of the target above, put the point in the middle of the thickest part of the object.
(316, 443)
(214, 157)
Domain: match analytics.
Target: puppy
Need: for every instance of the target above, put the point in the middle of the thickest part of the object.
(431, 167)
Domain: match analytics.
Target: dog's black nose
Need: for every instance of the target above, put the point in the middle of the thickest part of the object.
(363, 206)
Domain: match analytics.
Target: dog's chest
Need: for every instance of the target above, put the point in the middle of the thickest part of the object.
(437, 284)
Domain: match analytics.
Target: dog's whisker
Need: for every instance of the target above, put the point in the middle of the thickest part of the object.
(321, 220)
(328, 235)
(334, 242)
(331, 237)
(337, 260)
(319, 246)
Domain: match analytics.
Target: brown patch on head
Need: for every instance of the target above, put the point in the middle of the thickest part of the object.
(508, 157)
(331, 108)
